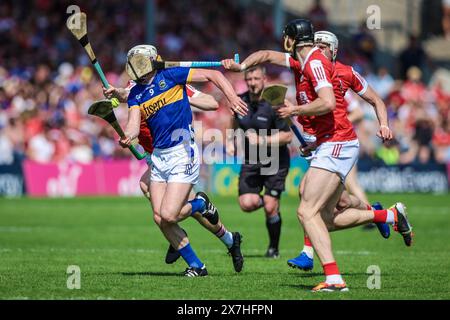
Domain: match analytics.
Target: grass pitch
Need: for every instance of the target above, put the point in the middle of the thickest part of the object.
(121, 253)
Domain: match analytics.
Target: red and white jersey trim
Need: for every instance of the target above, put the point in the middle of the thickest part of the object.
(191, 91)
(319, 74)
(362, 81)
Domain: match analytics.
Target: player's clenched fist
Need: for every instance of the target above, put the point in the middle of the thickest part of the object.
(287, 110)
(231, 65)
(110, 93)
(125, 142)
(385, 133)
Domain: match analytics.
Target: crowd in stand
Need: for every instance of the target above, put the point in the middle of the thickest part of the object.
(47, 83)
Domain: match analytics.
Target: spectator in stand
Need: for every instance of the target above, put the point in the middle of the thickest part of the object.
(382, 82)
(41, 147)
(318, 16)
(422, 137)
(441, 141)
(446, 18)
(47, 83)
(365, 43)
(412, 56)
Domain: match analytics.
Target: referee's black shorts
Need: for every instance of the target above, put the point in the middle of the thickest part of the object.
(251, 181)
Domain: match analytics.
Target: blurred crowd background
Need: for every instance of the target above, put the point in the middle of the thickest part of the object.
(47, 83)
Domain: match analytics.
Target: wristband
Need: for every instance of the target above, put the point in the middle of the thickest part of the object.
(243, 66)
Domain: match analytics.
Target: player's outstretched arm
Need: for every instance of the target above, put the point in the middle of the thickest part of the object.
(258, 57)
(204, 102)
(132, 128)
(219, 80)
(380, 109)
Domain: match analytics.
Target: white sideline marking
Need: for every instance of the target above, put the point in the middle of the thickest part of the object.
(14, 229)
(356, 253)
(162, 250)
(108, 250)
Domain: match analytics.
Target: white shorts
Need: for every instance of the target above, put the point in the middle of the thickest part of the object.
(176, 164)
(338, 157)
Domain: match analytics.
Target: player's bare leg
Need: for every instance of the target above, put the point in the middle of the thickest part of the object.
(304, 261)
(395, 215)
(321, 191)
(208, 216)
(164, 213)
(144, 184)
(353, 187)
(229, 239)
(172, 254)
(348, 200)
(167, 200)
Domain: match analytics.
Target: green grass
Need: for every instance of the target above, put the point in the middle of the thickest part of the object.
(121, 253)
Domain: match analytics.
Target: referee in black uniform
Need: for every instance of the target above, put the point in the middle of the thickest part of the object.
(262, 128)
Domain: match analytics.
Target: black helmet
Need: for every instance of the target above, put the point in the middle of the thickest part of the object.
(301, 30)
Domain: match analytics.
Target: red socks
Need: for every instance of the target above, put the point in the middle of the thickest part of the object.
(380, 216)
(307, 242)
(385, 216)
(330, 269)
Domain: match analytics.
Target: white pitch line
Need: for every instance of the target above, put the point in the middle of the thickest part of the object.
(152, 251)
(355, 253)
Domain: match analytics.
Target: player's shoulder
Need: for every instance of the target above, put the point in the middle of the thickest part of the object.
(135, 90)
(135, 94)
(341, 66)
(343, 70)
(317, 54)
(292, 63)
(317, 58)
(173, 71)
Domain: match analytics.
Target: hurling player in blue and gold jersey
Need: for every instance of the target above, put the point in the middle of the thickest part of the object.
(160, 97)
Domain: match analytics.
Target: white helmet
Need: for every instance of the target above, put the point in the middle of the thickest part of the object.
(140, 60)
(328, 38)
(145, 49)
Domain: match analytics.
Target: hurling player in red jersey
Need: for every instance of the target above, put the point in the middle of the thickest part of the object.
(355, 197)
(322, 107)
(350, 79)
(197, 99)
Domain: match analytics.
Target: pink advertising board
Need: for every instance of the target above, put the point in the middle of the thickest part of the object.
(66, 179)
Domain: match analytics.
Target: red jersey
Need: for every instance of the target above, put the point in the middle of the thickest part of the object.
(145, 137)
(318, 72)
(350, 79)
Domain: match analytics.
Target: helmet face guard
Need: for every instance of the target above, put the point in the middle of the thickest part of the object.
(329, 39)
(140, 61)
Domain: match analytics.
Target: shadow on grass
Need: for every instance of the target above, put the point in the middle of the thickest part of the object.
(259, 256)
(307, 274)
(298, 286)
(309, 287)
(150, 273)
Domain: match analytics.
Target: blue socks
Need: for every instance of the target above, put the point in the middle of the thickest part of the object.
(198, 205)
(190, 257)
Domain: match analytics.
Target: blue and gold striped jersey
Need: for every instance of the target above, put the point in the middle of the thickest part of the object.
(164, 105)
